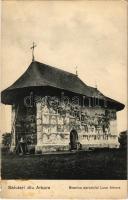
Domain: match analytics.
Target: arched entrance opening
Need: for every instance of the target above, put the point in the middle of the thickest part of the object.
(73, 139)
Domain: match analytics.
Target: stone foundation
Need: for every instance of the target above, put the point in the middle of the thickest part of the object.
(58, 148)
(51, 148)
(87, 146)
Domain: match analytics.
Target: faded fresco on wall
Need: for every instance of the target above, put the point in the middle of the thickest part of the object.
(50, 123)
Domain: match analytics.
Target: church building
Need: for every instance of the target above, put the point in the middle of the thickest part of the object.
(54, 110)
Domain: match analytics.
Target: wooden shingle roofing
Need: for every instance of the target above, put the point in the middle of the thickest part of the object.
(42, 75)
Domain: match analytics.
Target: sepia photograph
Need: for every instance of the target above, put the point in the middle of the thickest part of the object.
(64, 90)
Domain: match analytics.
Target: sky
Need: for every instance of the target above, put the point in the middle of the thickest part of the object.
(91, 35)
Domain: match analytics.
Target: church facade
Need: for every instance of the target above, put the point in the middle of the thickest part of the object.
(53, 110)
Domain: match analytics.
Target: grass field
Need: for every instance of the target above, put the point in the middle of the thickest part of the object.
(101, 164)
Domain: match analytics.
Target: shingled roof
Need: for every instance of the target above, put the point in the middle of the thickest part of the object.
(42, 75)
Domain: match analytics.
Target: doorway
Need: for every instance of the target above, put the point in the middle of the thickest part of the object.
(73, 139)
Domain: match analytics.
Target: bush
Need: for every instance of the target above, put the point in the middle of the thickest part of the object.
(6, 139)
(123, 139)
